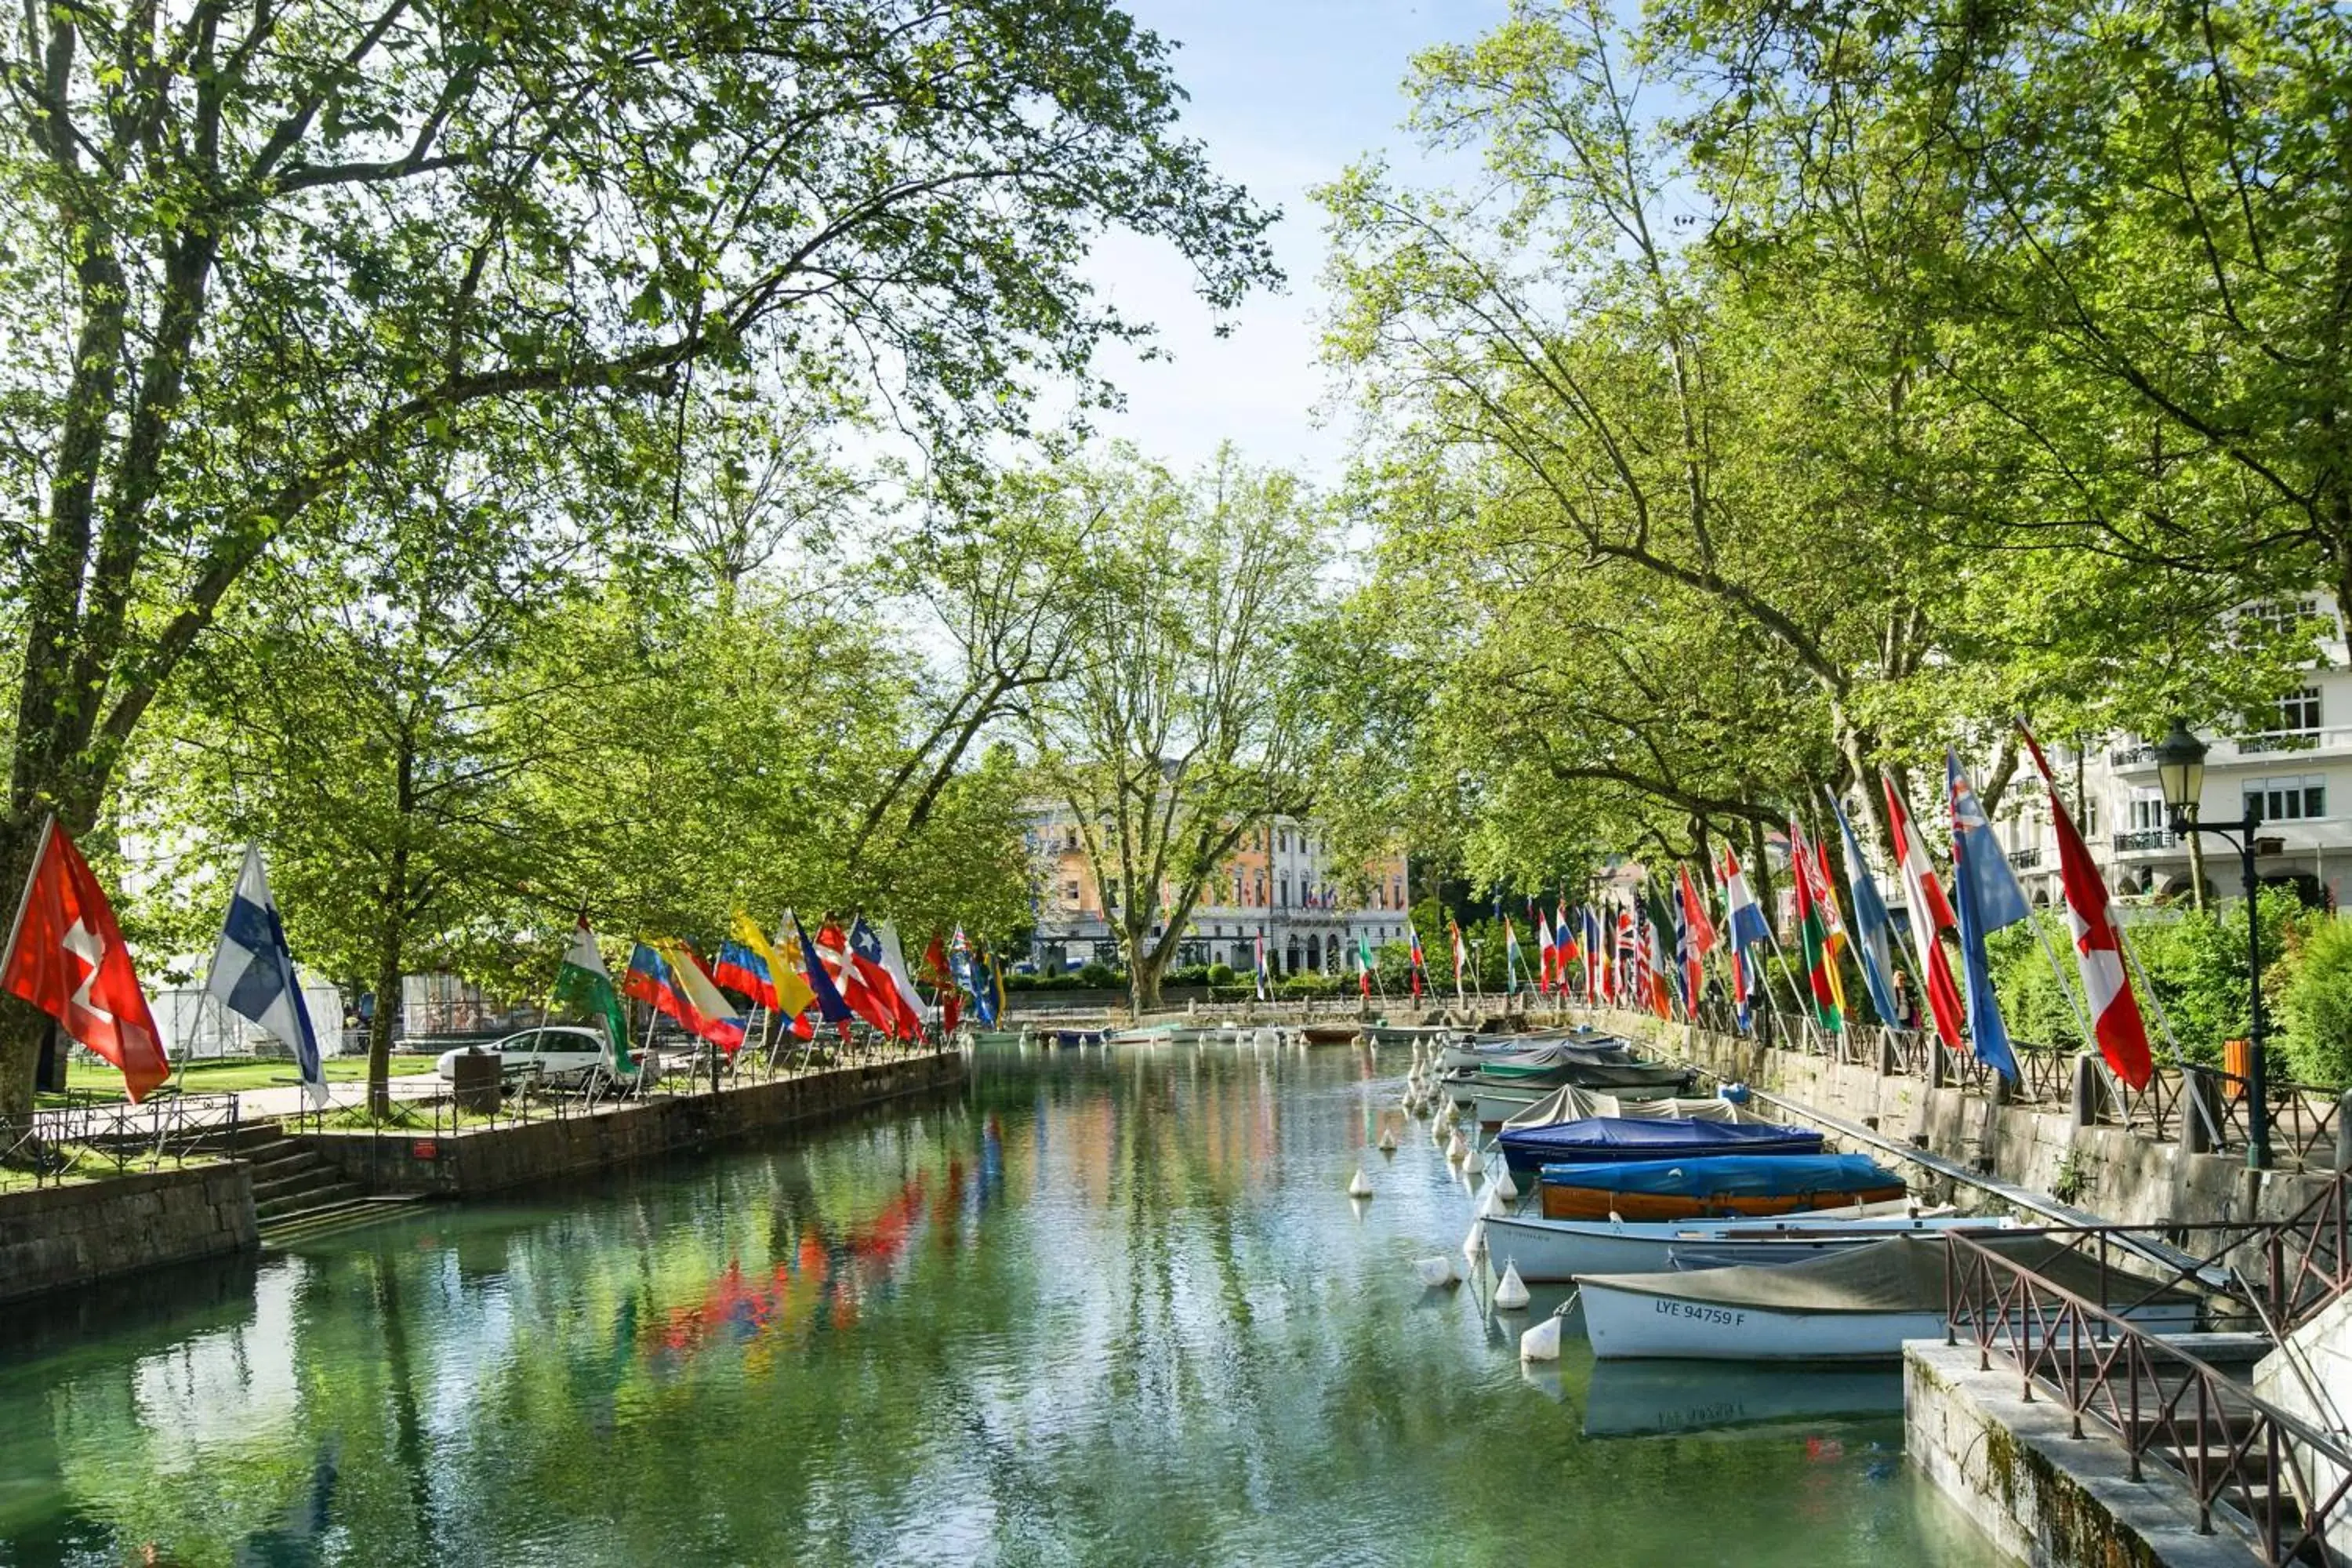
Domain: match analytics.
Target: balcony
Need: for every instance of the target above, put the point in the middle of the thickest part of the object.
(2145, 839)
(2027, 858)
(2131, 756)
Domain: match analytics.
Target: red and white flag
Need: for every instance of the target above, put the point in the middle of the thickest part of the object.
(2098, 952)
(1543, 952)
(65, 957)
(1931, 916)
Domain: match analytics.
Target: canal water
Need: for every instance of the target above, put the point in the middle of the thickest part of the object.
(1103, 1308)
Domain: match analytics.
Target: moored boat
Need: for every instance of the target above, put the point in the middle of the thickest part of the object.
(1713, 1185)
(1330, 1033)
(1601, 1140)
(1556, 1249)
(1570, 1103)
(1859, 1305)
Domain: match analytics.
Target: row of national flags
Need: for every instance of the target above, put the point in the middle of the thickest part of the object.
(1649, 948)
(834, 977)
(65, 957)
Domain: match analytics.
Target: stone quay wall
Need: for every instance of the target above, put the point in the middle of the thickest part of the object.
(53, 1237)
(465, 1164)
(2114, 1172)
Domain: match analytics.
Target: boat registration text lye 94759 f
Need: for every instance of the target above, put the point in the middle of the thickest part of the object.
(1723, 1317)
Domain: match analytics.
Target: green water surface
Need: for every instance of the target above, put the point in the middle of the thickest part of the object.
(1103, 1308)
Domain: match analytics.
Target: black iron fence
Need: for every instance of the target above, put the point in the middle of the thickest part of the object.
(112, 1135)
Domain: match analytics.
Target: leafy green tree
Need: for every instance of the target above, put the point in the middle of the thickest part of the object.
(257, 248)
(1184, 723)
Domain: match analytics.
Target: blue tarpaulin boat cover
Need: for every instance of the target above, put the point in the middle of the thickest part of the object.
(1747, 1175)
(1596, 1139)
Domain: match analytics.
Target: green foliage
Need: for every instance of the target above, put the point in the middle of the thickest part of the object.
(1219, 975)
(1099, 976)
(2315, 1003)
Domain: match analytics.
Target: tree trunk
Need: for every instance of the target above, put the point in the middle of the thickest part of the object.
(1144, 968)
(389, 944)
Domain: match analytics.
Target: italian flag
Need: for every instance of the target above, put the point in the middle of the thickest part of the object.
(584, 984)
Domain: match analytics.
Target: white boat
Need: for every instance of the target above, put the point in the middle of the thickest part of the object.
(1858, 1304)
(1564, 1248)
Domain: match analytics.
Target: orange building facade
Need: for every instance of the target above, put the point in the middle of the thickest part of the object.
(1281, 884)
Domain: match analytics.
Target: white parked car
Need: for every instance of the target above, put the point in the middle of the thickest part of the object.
(559, 1055)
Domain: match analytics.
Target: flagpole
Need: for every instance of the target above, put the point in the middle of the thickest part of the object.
(2179, 1059)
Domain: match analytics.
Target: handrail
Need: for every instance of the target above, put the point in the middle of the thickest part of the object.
(2158, 1398)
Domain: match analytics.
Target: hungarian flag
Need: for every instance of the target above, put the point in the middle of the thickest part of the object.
(65, 957)
(586, 985)
(1931, 917)
(1814, 933)
(2098, 952)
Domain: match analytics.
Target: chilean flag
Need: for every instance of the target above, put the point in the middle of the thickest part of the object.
(66, 957)
(870, 989)
(2098, 953)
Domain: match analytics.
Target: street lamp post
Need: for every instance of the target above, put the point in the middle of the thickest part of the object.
(2180, 768)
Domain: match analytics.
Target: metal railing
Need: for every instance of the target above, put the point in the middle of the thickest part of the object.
(2201, 1105)
(2281, 1480)
(63, 1140)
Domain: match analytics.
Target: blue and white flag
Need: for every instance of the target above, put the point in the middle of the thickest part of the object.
(253, 974)
(1872, 926)
(1985, 895)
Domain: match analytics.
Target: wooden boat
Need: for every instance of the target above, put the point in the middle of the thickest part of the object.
(1619, 1077)
(1067, 1038)
(1557, 1250)
(1857, 1305)
(1605, 1140)
(1714, 1186)
(1330, 1033)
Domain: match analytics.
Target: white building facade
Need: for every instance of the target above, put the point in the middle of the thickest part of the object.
(2294, 764)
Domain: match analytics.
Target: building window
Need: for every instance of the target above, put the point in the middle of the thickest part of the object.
(1282, 891)
(2293, 721)
(2287, 800)
(1070, 894)
(2148, 810)
(2280, 614)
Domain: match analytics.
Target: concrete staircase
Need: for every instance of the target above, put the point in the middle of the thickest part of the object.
(297, 1196)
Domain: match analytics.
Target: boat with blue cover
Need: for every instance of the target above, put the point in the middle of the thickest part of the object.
(1602, 1139)
(1711, 1184)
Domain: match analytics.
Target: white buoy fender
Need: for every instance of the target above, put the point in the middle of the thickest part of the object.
(1357, 1187)
(1541, 1343)
(1457, 1148)
(1438, 1273)
(1388, 1141)
(1512, 1293)
(1473, 1245)
(1493, 1204)
(1505, 1185)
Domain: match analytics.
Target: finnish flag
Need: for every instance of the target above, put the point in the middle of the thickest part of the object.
(253, 973)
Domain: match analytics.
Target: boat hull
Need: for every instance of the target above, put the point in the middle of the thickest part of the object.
(1632, 1324)
(1601, 1203)
(1552, 1251)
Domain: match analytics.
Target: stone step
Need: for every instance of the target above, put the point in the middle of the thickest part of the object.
(283, 1164)
(295, 1183)
(271, 1209)
(333, 1219)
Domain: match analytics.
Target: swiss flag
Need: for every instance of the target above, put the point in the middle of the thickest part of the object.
(66, 957)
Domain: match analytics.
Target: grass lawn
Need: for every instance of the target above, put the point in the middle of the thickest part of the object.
(96, 1080)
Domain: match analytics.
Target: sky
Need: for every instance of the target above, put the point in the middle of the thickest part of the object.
(1284, 94)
